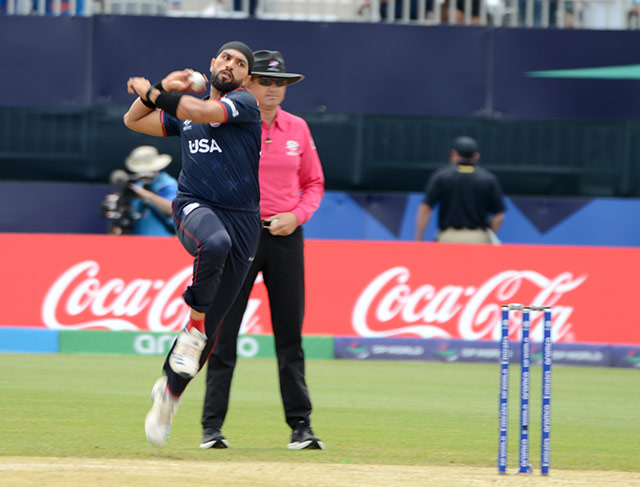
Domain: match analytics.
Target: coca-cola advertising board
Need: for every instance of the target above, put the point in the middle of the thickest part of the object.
(354, 288)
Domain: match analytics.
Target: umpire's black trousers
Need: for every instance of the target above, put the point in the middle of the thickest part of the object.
(281, 260)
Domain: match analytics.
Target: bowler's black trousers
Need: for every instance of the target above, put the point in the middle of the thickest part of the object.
(222, 243)
(281, 260)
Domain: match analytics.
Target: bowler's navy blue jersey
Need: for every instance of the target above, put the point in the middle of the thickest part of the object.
(220, 160)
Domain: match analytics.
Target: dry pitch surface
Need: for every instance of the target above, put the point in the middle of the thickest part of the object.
(69, 472)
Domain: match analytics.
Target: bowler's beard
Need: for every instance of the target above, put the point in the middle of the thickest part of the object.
(225, 86)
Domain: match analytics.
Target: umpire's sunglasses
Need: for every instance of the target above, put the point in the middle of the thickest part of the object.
(270, 81)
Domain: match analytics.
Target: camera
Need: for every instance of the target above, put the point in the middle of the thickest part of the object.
(117, 207)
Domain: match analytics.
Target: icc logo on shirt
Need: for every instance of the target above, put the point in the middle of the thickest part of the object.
(292, 147)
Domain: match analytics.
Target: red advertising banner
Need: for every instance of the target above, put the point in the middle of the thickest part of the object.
(354, 288)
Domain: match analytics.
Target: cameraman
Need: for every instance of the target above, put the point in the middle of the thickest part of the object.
(147, 195)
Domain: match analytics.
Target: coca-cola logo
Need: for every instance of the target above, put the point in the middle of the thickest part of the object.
(80, 299)
(389, 306)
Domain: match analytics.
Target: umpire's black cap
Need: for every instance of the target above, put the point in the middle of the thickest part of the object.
(465, 146)
(270, 64)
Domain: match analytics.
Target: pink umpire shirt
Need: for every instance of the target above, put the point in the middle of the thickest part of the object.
(291, 177)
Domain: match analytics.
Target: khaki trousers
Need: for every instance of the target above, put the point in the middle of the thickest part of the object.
(463, 235)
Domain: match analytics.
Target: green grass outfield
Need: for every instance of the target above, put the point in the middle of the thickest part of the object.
(382, 413)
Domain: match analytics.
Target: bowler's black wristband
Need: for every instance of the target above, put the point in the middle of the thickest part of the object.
(148, 103)
(169, 102)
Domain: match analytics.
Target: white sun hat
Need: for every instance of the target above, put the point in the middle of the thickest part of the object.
(146, 159)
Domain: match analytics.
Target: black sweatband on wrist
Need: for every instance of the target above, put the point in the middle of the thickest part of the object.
(146, 102)
(169, 102)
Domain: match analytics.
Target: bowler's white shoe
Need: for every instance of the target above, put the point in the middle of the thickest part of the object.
(185, 357)
(157, 424)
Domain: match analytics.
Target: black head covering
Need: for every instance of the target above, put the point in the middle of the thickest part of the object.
(271, 64)
(465, 146)
(243, 48)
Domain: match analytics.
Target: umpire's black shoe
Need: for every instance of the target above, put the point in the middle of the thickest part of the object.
(302, 438)
(212, 438)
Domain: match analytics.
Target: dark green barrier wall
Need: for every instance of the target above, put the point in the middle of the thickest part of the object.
(359, 152)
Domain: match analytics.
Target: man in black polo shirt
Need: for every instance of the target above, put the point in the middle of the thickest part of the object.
(470, 199)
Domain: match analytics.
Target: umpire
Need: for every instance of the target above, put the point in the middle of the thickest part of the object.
(470, 199)
(291, 188)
